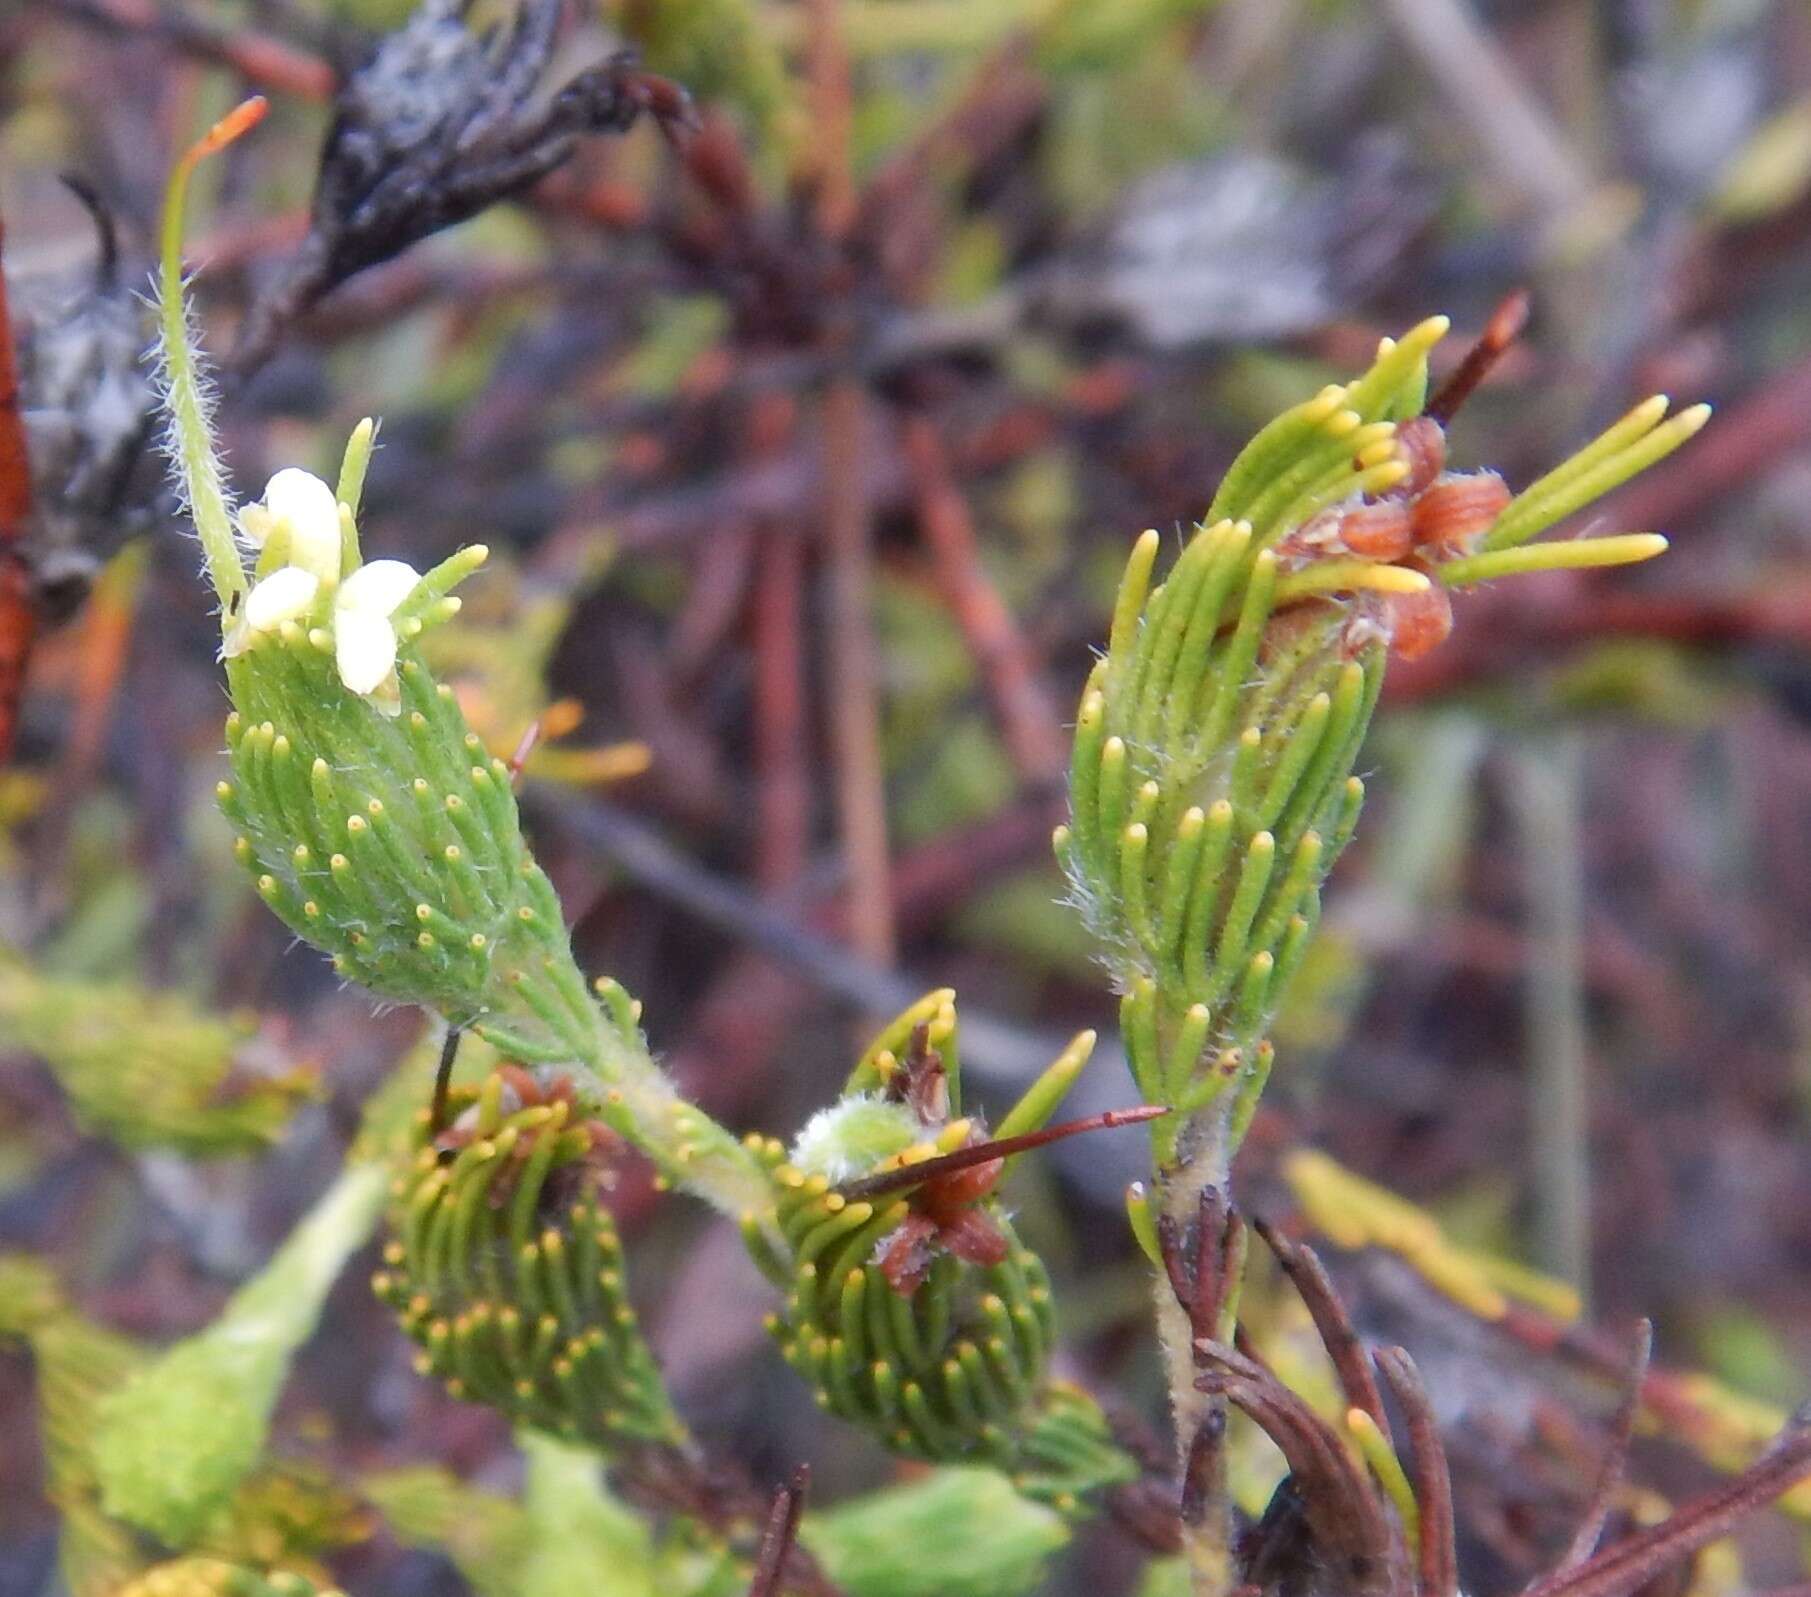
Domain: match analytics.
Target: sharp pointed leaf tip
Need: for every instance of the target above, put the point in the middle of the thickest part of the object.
(243, 117)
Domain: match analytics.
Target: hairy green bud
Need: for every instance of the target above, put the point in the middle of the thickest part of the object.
(941, 1371)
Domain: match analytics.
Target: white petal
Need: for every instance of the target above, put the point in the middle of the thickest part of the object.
(301, 498)
(255, 523)
(282, 596)
(364, 647)
(306, 504)
(378, 588)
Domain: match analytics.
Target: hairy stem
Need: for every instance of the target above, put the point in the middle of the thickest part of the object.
(630, 1092)
(1207, 1526)
(186, 397)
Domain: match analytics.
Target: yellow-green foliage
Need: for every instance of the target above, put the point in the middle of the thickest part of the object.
(487, 1536)
(566, 1533)
(281, 1517)
(1354, 1213)
(151, 1069)
(174, 1441)
(215, 1577)
(955, 1532)
(76, 1364)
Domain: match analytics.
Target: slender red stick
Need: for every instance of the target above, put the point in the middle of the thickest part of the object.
(914, 1175)
(1503, 329)
(780, 1535)
(18, 616)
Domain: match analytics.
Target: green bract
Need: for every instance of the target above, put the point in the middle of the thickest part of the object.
(511, 1278)
(1212, 786)
(215, 1577)
(173, 1442)
(917, 1312)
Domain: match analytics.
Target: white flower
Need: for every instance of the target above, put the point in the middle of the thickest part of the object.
(286, 594)
(364, 634)
(364, 637)
(282, 596)
(299, 504)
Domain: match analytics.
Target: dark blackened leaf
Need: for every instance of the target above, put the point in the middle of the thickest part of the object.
(88, 405)
(438, 124)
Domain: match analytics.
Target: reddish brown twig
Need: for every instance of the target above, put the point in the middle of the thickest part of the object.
(106, 638)
(854, 673)
(1616, 1455)
(916, 1175)
(18, 614)
(1436, 1558)
(1344, 1512)
(1303, 1267)
(782, 792)
(1201, 1259)
(261, 61)
(525, 747)
(1634, 1561)
(1503, 329)
(780, 1535)
(672, 1480)
(1028, 722)
(1201, 1470)
(833, 116)
(1668, 1397)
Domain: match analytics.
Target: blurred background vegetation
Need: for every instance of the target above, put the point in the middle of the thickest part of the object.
(810, 442)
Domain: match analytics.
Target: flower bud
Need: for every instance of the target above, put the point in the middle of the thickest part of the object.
(507, 1273)
(913, 1309)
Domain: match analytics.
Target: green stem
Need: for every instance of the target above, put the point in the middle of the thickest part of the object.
(630, 1092)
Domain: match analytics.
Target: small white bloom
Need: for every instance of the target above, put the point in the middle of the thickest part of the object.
(286, 594)
(300, 503)
(364, 637)
(282, 596)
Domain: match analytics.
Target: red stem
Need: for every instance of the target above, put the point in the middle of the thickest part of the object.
(915, 1175)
